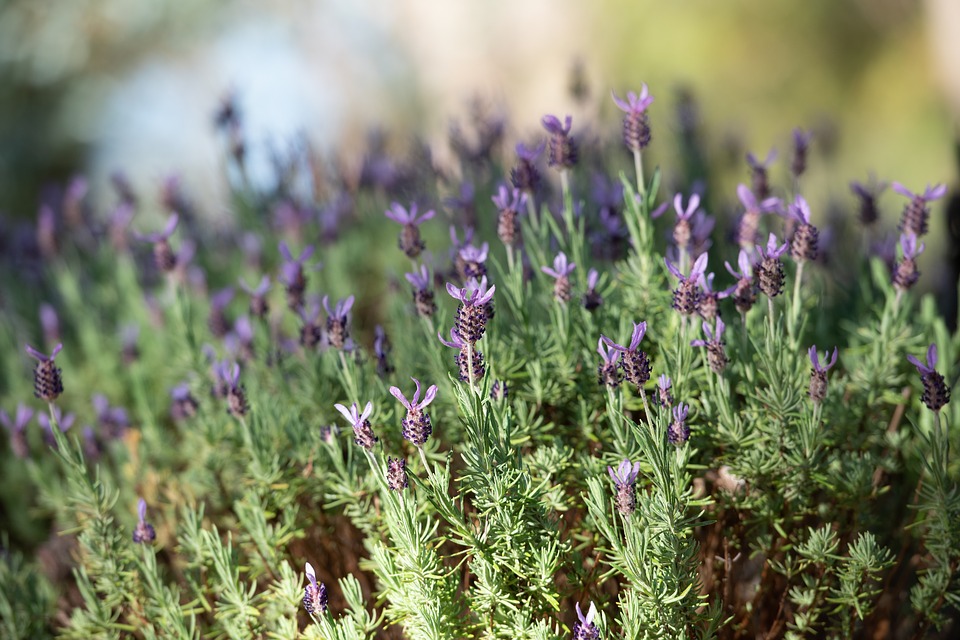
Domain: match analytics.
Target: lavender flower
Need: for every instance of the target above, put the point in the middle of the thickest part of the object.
(745, 290)
(770, 270)
(16, 429)
(63, 421)
(259, 307)
(818, 375)
(749, 224)
(423, 296)
(683, 230)
(471, 322)
(47, 383)
(608, 372)
(338, 333)
(905, 273)
(163, 255)
(310, 331)
(217, 320)
(708, 302)
(409, 241)
(524, 175)
(362, 431)
(625, 477)
(678, 432)
(664, 397)
(144, 531)
(239, 342)
(585, 629)
(716, 357)
(801, 145)
(472, 260)
(635, 363)
(314, 594)
(292, 275)
(636, 123)
(562, 290)
(916, 214)
(592, 299)
(685, 296)
(183, 405)
(562, 147)
(758, 173)
(397, 474)
(803, 243)
(469, 360)
(499, 390)
(416, 426)
(509, 206)
(867, 194)
(935, 390)
(229, 376)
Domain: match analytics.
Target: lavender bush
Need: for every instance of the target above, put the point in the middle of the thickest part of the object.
(622, 442)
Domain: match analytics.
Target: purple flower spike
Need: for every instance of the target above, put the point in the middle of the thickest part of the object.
(416, 426)
(292, 275)
(664, 397)
(635, 362)
(686, 298)
(562, 290)
(524, 175)
(868, 194)
(314, 594)
(163, 255)
(905, 272)
(510, 204)
(625, 478)
(801, 145)
(935, 390)
(608, 372)
(678, 432)
(472, 259)
(475, 308)
(362, 431)
(585, 629)
(770, 270)
(562, 147)
(423, 296)
(818, 375)
(258, 296)
(409, 240)
(917, 212)
(716, 357)
(47, 383)
(229, 377)
(469, 360)
(144, 531)
(338, 332)
(803, 243)
(636, 122)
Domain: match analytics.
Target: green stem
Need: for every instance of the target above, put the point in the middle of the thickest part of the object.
(638, 165)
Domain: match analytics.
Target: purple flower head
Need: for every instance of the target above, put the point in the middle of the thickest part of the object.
(799, 210)
(930, 366)
(16, 428)
(608, 371)
(314, 594)
(692, 205)
(144, 531)
(513, 200)
(183, 405)
(801, 144)
(258, 291)
(552, 124)
(585, 629)
(716, 357)
(160, 236)
(398, 213)
(561, 268)
(291, 272)
(47, 383)
(563, 148)
(664, 397)
(815, 360)
(868, 194)
(678, 432)
(929, 194)
(340, 310)
(420, 279)
(416, 425)
(935, 390)
(634, 104)
(635, 362)
(680, 412)
(592, 277)
(363, 434)
(626, 473)
(475, 294)
(772, 250)
(228, 373)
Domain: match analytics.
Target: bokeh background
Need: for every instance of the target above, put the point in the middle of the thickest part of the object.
(95, 86)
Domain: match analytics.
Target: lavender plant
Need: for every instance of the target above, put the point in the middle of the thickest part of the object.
(754, 496)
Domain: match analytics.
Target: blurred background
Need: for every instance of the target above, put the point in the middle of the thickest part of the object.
(97, 86)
